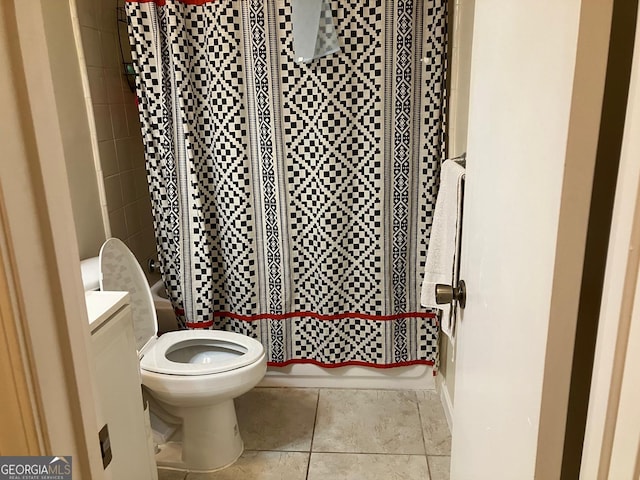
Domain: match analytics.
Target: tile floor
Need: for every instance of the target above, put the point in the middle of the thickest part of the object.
(325, 434)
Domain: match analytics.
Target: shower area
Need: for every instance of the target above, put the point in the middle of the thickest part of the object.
(291, 193)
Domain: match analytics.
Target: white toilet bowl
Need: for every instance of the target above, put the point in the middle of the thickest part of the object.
(193, 375)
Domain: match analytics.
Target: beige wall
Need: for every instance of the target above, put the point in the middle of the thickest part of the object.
(116, 128)
(461, 36)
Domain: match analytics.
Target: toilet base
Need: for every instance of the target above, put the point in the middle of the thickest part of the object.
(208, 440)
(169, 457)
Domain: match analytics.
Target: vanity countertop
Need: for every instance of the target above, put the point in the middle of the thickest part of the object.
(102, 305)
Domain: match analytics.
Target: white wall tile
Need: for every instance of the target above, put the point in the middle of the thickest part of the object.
(117, 127)
(97, 85)
(102, 117)
(133, 119)
(113, 191)
(87, 13)
(142, 244)
(125, 155)
(119, 121)
(110, 50)
(91, 46)
(118, 224)
(108, 158)
(148, 240)
(106, 15)
(131, 214)
(137, 151)
(113, 83)
(142, 187)
(144, 212)
(128, 187)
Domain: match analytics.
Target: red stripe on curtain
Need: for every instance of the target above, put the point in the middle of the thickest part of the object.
(353, 363)
(206, 324)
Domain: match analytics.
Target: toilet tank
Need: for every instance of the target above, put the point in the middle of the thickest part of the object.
(90, 268)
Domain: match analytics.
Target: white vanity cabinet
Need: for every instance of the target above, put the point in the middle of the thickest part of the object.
(118, 387)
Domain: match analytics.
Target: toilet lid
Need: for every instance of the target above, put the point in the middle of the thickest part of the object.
(120, 271)
(200, 352)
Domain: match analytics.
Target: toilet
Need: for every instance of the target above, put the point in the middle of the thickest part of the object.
(191, 376)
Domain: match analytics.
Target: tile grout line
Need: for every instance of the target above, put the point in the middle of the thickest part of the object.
(313, 434)
(350, 452)
(378, 454)
(424, 442)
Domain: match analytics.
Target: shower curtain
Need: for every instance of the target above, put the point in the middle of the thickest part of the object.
(292, 202)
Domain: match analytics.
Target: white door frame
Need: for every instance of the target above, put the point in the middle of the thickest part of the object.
(40, 258)
(613, 428)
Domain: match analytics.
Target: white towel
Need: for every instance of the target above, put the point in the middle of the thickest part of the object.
(442, 257)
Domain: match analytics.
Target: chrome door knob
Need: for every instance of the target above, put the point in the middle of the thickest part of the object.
(447, 294)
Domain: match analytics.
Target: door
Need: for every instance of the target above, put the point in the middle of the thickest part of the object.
(537, 79)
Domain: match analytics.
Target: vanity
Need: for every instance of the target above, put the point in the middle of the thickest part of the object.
(126, 442)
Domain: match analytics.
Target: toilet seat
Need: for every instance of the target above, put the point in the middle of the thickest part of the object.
(235, 349)
(216, 351)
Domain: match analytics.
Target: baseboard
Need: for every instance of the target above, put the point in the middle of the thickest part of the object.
(414, 377)
(445, 399)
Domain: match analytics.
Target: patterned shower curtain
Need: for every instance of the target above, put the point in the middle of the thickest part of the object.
(293, 202)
